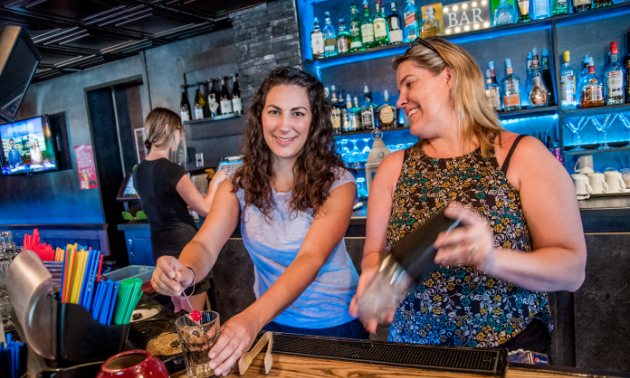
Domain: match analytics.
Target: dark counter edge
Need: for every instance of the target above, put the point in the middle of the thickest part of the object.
(601, 220)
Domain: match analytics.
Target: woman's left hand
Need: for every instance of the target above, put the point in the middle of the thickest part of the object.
(471, 244)
(237, 337)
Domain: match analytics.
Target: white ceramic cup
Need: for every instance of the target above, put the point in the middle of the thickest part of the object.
(625, 175)
(615, 182)
(598, 182)
(582, 186)
(584, 165)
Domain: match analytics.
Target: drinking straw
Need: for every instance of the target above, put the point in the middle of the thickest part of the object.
(77, 277)
(110, 311)
(93, 281)
(69, 274)
(85, 280)
(100, 264)
(102, 318)
(98, 298)
(134, 301)
(64, 269)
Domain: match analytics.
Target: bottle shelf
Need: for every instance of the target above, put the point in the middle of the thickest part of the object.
(547, 110)
(587, 112)
(370, 131)
(211, 119)
(519, 28)
(597, 151)
(220, 126)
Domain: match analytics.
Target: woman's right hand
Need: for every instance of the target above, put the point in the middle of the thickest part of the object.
(170, 276)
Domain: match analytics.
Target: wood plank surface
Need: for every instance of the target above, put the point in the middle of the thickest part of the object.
(301, 367)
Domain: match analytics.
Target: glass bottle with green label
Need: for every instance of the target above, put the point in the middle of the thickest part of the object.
(559, 7)
(380, 26)
(367, 27)
(356, 44)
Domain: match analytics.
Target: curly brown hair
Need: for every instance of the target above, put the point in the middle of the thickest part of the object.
(314, 170)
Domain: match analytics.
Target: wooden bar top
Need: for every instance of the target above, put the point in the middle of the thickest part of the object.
(301, 367)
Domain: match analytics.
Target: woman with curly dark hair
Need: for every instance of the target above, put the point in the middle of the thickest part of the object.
(294, 199)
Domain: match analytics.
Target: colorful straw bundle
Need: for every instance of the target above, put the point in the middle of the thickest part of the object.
(117, 300)
(81, 272)
(12, 358)
(44, 251)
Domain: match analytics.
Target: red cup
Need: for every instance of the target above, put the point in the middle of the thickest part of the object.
(133, 364)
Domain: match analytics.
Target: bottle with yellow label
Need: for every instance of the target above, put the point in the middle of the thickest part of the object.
(386, 114)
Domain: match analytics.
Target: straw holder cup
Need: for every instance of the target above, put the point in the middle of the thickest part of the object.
(63, 332)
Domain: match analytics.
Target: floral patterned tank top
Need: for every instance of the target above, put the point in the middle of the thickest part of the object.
(462, 306)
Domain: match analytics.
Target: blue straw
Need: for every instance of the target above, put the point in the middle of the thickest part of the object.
(85, 279)
(111, 307)
(98, 301)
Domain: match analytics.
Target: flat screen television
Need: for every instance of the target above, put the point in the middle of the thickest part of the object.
(27, 147)
(18, 61)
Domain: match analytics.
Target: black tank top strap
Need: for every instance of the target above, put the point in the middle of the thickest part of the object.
(506, 163)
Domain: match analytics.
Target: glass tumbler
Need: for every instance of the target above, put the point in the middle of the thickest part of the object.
(196, 339)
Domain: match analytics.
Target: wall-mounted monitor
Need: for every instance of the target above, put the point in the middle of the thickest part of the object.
(18, 60)
(27, 147)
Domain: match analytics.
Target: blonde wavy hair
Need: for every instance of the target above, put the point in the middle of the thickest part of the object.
(468, 94)
(158, 134)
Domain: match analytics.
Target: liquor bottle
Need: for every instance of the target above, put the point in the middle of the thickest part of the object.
(200, 103)
(343, 38)
(184, 105)
(540, 9)
(394, 23)
(493, 94)
(601, 3)
(538, 95)
(411, 21)
(529, 76)
(335, 114)
(356, 111)
(626, 64)
(546, 75)
(511, 88)
(226, 99)
(348, 117)
(431, 26)
(567, 84)
(593, 88)
(367, 27)
(330, 37)
(523, 11)
(356, 44)
(237, 103)
(493, 75)
(613, 78)
(579, 82)
(581, 5)
(559, 7)
(213, 97)
(380, 26)
(504, 14)
(367, 110)
(386, 113)
(317, 42)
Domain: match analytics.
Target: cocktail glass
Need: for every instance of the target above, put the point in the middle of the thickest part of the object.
(344, 151)
(602, 127)
(356, 153)
(575, 128)
(366, 149)
(626, 123)
(196, 339)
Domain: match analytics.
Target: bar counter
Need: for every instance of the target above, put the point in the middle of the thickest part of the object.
(302, 367)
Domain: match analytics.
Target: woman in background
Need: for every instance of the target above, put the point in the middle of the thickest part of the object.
(36, 152)
(166, 191)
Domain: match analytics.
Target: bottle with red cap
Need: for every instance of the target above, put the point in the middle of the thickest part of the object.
(613, 78)
(626, 64)
(592, 88)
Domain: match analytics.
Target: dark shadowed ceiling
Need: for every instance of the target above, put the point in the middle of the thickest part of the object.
(73, 35)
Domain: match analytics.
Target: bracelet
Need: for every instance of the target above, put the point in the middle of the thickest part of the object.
(191, 286)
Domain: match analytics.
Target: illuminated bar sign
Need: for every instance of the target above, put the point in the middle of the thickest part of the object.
(466, 16)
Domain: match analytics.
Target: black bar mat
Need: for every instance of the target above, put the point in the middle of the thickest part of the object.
(455, 359)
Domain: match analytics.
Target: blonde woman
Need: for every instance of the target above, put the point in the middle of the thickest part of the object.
(165, 191)
(522, 236)
(36, 152)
